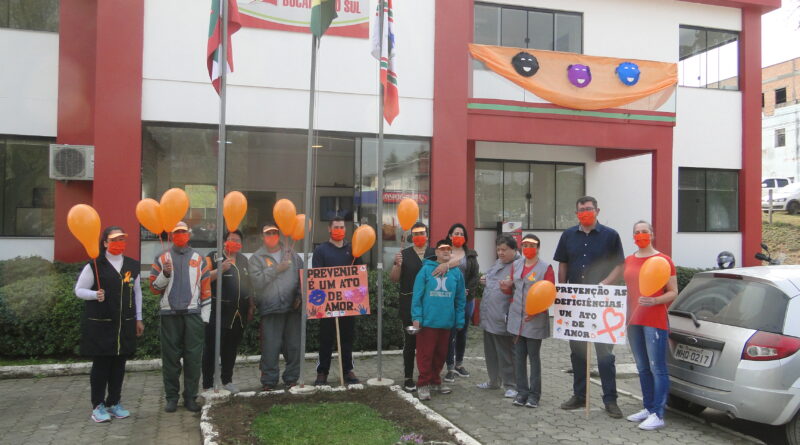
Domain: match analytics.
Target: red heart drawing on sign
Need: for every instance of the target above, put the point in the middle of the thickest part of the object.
(620, 322)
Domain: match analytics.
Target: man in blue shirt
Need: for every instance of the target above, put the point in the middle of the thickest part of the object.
(335, 252)
(590, 253)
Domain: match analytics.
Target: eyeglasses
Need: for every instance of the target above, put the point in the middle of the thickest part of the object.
(586, 209)
(420, 233)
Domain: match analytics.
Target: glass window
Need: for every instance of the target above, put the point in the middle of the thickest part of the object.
(487, 24)
(537, 194)
(35, 15)
(26, 189)
(568, 36)
(708, 58)
(780, 96)
(780, 137)
(734, 302)
(540, 30)
(514, 31)
(528, 28)
(708, 200)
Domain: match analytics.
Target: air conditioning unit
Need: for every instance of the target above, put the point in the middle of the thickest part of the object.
(72, 162)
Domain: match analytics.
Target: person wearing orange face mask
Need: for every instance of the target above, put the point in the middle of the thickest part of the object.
(590, 253)
(335, 252)
(236, 305)
(274, 270)
(648, 329)
(108, 328)
(404, 271)
(182, 278)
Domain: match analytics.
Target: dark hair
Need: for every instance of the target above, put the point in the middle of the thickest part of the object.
(443, 242)
(419, 224)
(104, 237)
(508, 240)
(453, 228)
(532, 236)
(237, 232)
(585, 199)
(335, 219)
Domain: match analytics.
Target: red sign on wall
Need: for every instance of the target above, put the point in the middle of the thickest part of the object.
(295, 15)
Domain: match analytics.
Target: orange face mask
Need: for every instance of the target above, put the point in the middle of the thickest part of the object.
(458, 240)
(116, 247)
(233, 246)
(337, 234)
(529, 252)
(271, 240)
(180, 239)
(642, 239)
(419, 240)
(587, 218)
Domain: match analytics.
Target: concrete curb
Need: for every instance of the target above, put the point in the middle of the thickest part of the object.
(66, 369)
(210, 435)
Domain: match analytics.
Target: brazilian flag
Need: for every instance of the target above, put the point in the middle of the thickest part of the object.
(322, 14)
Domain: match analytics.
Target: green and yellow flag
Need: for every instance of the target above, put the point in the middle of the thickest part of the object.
(322, 14)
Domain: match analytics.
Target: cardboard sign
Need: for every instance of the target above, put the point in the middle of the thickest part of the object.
(340, 291)
(590, 312)
(295, 15)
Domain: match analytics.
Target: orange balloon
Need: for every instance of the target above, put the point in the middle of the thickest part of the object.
(174, 205)
(84, 223)
(299, 228)
(407, 213)
(540, 296)
(285, 215)
(234, 206)
(653, 275)
(363, 239)
(147, 212)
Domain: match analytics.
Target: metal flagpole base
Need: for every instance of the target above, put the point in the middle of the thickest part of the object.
(380, 382)
(305, 389)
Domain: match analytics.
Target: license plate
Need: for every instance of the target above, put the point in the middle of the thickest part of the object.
(697, 356)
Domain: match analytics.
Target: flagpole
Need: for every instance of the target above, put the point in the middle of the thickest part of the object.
(309, 205)
(379, 200)
(223, 59)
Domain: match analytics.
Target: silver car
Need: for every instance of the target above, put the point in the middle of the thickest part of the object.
(734, 337)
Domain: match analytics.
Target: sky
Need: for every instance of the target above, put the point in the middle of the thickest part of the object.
(780, 39)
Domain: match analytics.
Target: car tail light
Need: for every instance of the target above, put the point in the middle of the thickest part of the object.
(768, 346)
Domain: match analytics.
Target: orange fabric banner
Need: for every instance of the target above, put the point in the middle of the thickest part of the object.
(595, 88)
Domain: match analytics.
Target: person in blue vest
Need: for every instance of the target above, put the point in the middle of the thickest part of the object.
(437, 308)
(112, 319)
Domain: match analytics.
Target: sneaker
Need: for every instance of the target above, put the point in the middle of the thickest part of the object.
(531, 403)
(461, 371)
(192, 405)
(519, 400)
(118, 411)
(510, 393)
(424, 393)
(351, 379)
(486, 385)
(653, 422)
(613, 410)
(443, 389)
(450, 377)
(322, 379)
(171, 406)
(409, 385)
(267, 387)
(573, 403)
(289, 385)
(231, 388)
(639, 417)
(100, 415)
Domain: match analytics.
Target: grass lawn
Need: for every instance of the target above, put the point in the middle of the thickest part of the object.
(782, 236)
(328, 423)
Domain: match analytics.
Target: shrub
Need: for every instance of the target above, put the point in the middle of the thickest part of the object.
(685, 274)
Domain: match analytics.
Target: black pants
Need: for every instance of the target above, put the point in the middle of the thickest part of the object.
(327, 341)
(409, 351)
(107, 372)
(230, 337)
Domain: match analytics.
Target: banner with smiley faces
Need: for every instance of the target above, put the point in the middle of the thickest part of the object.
(583, 82)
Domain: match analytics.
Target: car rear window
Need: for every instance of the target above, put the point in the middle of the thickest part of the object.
(734, 302)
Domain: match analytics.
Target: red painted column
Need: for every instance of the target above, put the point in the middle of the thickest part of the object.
(450, 164)
(750, 176)
(76, 97)
(118, 115)
(662, 195)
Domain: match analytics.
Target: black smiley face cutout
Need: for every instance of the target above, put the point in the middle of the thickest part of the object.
(525, 64)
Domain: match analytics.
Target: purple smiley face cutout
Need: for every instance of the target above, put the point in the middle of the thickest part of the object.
(579, 75)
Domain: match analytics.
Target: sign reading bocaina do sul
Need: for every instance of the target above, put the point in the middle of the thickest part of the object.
(295, 15)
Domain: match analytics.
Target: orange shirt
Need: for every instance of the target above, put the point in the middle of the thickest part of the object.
(653, 316)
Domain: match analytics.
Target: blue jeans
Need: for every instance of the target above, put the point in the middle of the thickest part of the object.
(649, 347)
(458, 339)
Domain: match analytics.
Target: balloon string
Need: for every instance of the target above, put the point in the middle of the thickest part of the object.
(403, 240)
(97, 275)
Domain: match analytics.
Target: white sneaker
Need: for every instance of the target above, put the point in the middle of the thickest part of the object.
(424, 392)
(231, 388)
(653, 422)
(639, 417)
(510, 393)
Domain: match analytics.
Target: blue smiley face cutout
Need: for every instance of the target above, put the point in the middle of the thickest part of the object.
(316, 297)
(628, 73)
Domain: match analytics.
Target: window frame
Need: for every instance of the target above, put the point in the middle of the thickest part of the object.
(4, 138)
(707, 49)
(8, 20)
(705, 171)
(780, 135)
(503, 189)
(552, 13)
(783, 92)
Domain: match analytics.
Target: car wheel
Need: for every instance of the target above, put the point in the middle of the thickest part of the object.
(684, 405)
(792, 430)
(793, 208)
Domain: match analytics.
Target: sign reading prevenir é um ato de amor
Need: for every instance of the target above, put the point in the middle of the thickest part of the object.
(295, 15)
(337, 291)
(590, 312)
